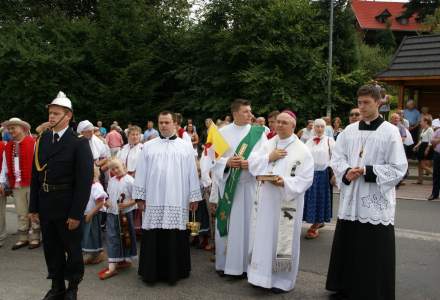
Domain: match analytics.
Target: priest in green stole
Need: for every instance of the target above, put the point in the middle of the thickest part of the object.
(236, 189)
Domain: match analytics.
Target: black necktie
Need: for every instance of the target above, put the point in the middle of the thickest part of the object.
(56, 137)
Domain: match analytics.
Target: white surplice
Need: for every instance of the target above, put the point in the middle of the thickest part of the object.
(369, 202)
(265, 233)
(129, 155)
(232, 250)
(167, 179)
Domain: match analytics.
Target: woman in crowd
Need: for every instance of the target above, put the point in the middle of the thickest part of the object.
(424, 148)
(317, 200)
(337, 127)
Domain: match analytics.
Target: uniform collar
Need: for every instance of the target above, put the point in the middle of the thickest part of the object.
(173, 137)
(373, 124)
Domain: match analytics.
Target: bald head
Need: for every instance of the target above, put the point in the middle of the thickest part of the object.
(285, 125)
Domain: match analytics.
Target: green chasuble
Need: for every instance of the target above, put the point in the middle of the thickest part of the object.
(244, 149)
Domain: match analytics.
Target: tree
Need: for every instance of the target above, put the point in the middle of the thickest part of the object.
(432, 22)
(20, 11)
(422, 7)
(385, 39)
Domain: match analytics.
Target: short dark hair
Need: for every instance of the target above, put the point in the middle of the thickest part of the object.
(165, 113)
(370, 90)
(273, 114)
(237, 103)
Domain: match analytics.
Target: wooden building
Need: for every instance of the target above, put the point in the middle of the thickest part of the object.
(415, 69)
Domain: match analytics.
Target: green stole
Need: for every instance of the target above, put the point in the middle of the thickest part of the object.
(244, 149)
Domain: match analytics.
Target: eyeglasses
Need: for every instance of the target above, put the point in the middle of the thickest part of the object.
(355, 114)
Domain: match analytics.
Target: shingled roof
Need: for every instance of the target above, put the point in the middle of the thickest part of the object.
(417, 56)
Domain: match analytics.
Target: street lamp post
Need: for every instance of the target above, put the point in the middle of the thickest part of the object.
(330, 62)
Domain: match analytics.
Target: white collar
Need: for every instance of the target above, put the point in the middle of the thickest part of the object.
(287, 140)
(61, 132)
(240, 126)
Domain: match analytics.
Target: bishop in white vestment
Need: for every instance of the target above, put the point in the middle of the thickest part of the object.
(368, 161)
(232, 249)
(277, 211)
(167, 186)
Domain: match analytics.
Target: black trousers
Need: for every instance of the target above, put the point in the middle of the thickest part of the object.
(165, 255)
(363, 261)
(62, 250)
(436, 175)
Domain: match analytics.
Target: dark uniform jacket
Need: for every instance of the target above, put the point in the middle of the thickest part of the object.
(69, 166)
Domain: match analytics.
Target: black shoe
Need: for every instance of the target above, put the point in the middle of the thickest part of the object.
(57, 291)
(278, 291)
(54, 294)
(71, 294)
(220, 273)
(430, 198)
(338, 296)
(72, 291)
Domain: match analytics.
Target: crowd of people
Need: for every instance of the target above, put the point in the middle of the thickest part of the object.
(121, 187)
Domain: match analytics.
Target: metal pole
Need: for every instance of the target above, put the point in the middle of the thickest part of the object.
(330, 62)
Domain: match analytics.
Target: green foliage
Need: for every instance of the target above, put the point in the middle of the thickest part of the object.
(422, 7)
(386, 40)
(373, 59)
(432, 22)
(128, 60)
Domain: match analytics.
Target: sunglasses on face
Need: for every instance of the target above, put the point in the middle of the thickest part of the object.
(355, 114)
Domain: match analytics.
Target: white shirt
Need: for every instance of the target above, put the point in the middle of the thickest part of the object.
(99, 148)
(117, 187)
(129, 155)
(3, 176)
(328, 131)
(17, 170)
(426, 135)
(321, 152)
(60, 133)
(307, 134)
(96, 193)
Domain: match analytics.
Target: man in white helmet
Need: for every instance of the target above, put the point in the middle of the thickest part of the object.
(62, 175)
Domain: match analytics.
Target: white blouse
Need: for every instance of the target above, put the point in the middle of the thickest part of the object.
(116, 188)
(129, 156)
(426, 135)
(96, 193)
(321, 152)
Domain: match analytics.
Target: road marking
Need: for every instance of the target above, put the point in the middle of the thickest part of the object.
(400, 233)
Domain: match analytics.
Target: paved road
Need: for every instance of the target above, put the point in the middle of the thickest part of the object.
(22, 272)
